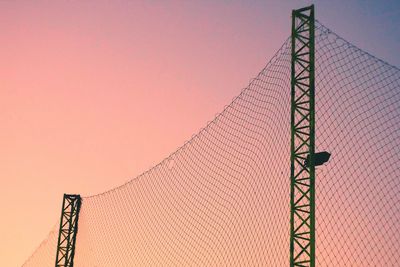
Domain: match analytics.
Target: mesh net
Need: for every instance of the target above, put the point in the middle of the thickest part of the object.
(222, 199)
(45, 254)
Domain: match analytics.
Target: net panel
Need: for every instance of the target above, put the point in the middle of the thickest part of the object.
(222, 199)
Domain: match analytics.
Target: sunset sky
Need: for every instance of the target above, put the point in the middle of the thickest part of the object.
(93, 93)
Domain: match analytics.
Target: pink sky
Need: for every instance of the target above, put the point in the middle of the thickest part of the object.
(93, 94)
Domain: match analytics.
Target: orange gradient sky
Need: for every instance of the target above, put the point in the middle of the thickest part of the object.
(93, 93)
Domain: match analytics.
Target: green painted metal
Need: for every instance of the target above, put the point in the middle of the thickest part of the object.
(68, 230)
(302, 176)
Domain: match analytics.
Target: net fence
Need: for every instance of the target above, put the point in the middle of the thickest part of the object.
(222, 199)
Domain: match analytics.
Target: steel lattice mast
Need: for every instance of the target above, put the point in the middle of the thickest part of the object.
(68, 230)
(302, 175)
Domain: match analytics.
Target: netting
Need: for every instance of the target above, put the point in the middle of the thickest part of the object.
(222, 199)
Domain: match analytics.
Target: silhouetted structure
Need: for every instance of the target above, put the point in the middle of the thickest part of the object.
(302, 188)
(68, 230)
(222, 199)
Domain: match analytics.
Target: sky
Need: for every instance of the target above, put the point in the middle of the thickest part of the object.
(94, 93)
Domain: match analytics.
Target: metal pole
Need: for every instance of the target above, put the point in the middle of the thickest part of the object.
(68, 230)
(302, 176)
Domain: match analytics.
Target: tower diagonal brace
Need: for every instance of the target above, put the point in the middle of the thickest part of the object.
(302, 175)
(68, 230)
